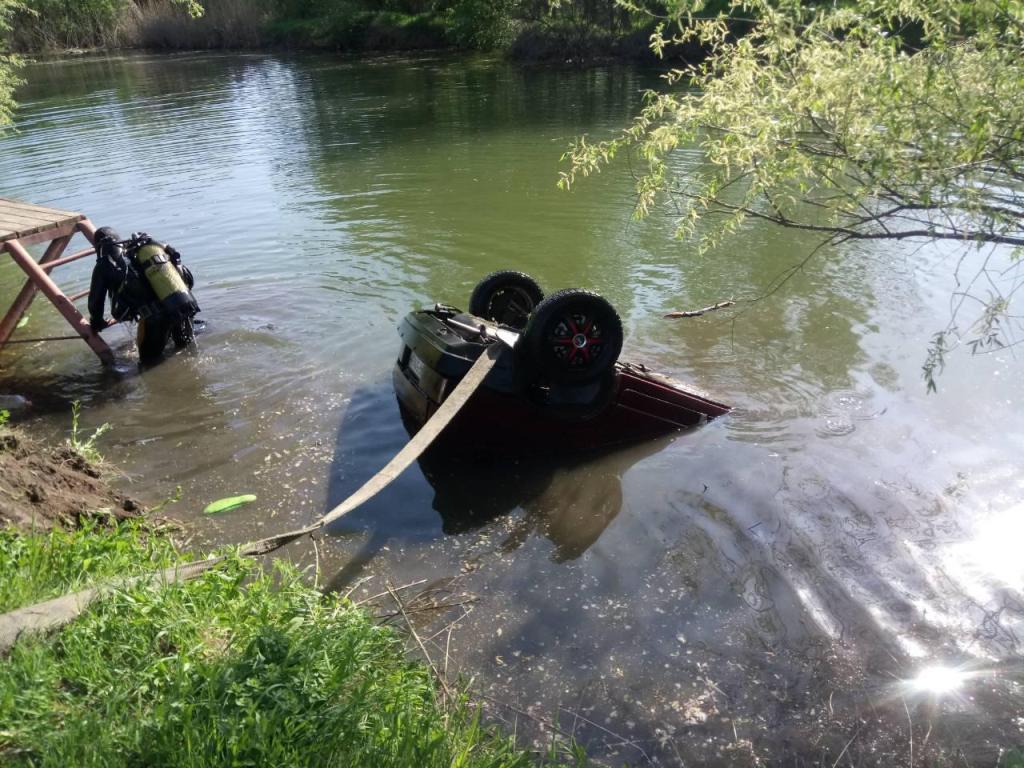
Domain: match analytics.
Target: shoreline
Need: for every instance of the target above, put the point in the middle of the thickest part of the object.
(46, 486)
(251, 26)
(453, 52)
(248, 661)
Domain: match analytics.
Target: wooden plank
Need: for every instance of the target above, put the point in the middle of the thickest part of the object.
(41, 234)
(19, 220)
(10, 223)
(7, 211)
(32, 217)
(11, 203)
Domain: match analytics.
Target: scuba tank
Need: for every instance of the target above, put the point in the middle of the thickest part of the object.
(173, 296)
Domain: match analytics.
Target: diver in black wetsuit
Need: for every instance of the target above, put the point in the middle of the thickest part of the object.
(163, 306)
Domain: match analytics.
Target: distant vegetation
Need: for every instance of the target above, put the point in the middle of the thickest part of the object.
(527, 29)
(8, 65)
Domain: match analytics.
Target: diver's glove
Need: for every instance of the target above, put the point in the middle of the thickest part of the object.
(98, 324)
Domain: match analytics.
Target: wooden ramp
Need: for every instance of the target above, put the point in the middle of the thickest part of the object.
(24, 224)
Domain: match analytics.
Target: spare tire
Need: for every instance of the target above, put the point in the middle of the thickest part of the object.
(506, 297)
(573, 337)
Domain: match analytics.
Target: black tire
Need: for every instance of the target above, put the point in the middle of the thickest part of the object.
(573, 337)
(506, 297)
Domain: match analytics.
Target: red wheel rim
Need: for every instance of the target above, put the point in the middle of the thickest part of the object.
(576, 340)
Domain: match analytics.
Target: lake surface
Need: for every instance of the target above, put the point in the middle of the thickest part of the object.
(832, 574)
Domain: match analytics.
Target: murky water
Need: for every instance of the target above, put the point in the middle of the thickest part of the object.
(759, 589)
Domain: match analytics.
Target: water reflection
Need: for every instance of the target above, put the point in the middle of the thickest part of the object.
(570, 501)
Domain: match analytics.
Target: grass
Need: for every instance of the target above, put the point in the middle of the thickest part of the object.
(239, 667)
(47, 564)
(85, 446)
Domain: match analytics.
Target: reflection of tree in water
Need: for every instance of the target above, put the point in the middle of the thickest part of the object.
(156, 94)
(786, 350)
(801, 336)
(444, 171)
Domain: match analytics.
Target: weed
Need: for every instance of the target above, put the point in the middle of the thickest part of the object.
(85, 446)
(4, 417)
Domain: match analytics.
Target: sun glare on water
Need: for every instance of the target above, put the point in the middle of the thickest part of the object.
(937, 681)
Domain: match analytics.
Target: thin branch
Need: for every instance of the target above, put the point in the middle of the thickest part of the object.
(702, 311)
(388, 591)
(423, 648)
(622, 740)
(966, 235)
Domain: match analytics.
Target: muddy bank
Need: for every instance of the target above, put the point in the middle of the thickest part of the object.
(43, 486)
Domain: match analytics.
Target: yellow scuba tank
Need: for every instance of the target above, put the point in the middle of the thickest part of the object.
(165, 280)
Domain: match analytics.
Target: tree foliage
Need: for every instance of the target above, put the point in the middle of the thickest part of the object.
(861, 120)
(61, 13)
(8, 65)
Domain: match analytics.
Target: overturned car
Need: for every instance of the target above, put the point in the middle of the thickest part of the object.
(558, 383)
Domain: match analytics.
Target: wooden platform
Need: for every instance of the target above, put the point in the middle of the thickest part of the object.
(24, 224)
(27, 222)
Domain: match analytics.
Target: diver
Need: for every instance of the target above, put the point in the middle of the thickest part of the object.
(147, 283)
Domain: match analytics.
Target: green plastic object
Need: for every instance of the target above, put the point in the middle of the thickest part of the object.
(226, 505)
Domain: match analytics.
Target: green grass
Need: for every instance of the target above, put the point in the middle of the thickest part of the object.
(239, 667)
(48, 564)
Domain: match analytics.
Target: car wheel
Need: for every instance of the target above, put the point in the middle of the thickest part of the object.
(506, 297)
(572, 337)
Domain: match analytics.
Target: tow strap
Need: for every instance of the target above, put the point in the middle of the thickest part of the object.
(61, 610)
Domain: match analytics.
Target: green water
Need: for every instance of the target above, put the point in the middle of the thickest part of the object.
(761, 588)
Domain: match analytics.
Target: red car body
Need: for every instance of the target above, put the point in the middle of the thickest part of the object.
(628, 405)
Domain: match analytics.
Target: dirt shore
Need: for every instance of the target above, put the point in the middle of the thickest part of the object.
(42, 486)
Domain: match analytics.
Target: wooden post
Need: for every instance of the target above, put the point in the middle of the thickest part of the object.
(49, 288)
(86, 228)
(28, 291)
